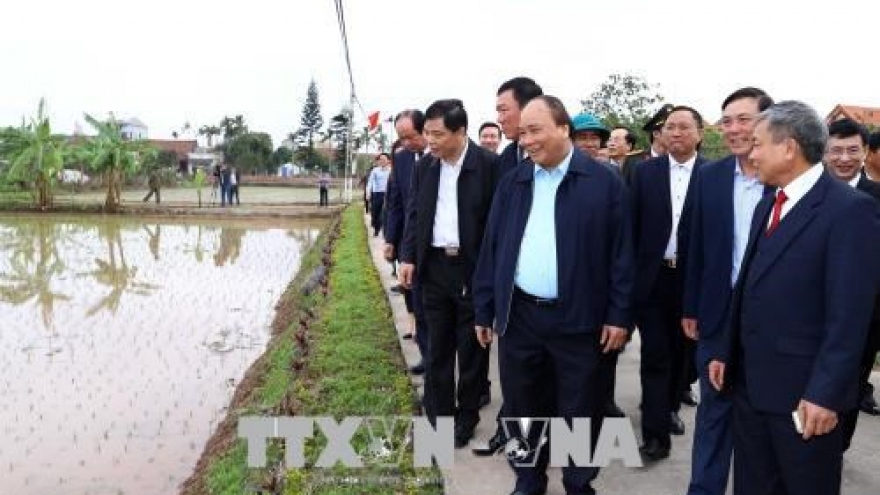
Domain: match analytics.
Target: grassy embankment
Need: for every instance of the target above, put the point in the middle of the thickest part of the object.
(336, 355)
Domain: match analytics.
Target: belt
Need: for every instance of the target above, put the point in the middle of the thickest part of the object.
(537, 301)
(670, 263)
(448, 251)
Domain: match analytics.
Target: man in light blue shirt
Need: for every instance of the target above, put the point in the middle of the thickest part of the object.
(724, 197)
(377, 184)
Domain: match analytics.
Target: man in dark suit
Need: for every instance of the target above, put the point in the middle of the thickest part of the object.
(723, 197)
(844, 158)
(661, 219)
(512, 96)
(408, 124)
(450, 199)
(799, 313)
(554, 279)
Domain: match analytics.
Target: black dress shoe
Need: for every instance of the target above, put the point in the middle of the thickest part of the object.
(653, 451)
(869, 406)
(676, 425)
(494, 446)
(612, 410)
(463, 435)
(689, 399)
(417, 369)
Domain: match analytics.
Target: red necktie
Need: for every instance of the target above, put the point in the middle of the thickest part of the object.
(781, 198)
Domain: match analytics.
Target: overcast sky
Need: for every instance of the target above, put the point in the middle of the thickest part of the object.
(173, 61)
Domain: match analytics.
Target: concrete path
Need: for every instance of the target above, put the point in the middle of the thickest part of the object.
(473, 475)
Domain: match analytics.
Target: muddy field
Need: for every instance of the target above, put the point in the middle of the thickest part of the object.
(123, 340)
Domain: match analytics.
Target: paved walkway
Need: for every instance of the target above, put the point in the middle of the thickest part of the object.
(473, 475)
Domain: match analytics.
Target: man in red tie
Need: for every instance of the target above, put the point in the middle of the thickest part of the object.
(799, 313)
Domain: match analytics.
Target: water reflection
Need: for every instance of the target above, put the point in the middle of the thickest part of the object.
(33, 265)
(148, 338)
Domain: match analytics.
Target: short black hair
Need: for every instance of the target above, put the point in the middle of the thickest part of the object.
(380, 155)
(692, 110)
(414, 115)
(489, 124)
(524, 90)
(451, 111)
(764, 100)
(874, 141)
(557, 111)
(845, 128)
(630, 136)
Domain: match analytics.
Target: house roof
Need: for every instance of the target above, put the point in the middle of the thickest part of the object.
(181, 147)
(134, 122)
(864, 115)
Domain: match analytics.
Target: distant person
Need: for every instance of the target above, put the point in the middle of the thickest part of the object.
(199, 181)
(376, 187)
(216, 181)
(324, 189)
(872, 160)
(153, 182)
(490, 136)
(234, 179)
(225, 180)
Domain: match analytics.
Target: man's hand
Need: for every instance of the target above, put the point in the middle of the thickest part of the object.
(613, 338)
(484, 335)
(405, 273)
(689, 325)
(388, 252)
(716, 374)
(817, 420)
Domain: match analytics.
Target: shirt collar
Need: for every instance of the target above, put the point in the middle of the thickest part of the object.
(688, 165)
(855, 180)
(799, 187)
(560, 169)
(460, 158)
(868, 176)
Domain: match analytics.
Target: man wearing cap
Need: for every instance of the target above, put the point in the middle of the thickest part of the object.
(653, 127)
(590, 134)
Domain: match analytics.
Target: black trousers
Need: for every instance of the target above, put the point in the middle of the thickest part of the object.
(377, 201)
(546, 374)
(324, 196)
(449, 314)
(771, 458)
(666, 359)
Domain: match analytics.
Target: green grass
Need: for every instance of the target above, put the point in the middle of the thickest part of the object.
(354, 367)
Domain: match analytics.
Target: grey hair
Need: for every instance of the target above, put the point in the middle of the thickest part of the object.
(798, 121)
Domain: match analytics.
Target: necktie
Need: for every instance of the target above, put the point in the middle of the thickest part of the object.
(781, 198)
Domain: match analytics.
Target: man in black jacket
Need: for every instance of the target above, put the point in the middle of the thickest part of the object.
(449, 203)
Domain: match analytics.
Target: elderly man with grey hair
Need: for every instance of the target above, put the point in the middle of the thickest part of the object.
(799, 313)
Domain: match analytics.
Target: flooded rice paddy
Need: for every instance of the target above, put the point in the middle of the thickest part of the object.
(122, 341)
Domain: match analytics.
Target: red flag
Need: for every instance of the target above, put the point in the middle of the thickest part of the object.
(373, 120)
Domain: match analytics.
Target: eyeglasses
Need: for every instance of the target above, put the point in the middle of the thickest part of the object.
(855, 151)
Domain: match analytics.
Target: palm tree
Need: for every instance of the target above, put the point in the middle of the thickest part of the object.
(35, 155)
(116, 273)
(114, 156)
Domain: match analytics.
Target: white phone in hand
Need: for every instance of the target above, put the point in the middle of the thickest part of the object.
(798, 421)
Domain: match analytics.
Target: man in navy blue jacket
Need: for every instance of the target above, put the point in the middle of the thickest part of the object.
(723, 197)
(799, 313)
(554, 308)
(409, 125)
